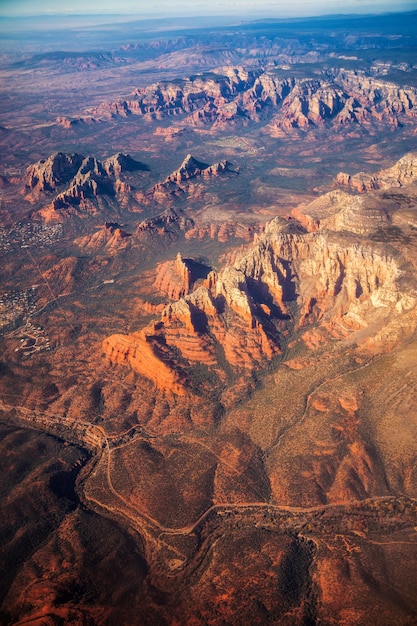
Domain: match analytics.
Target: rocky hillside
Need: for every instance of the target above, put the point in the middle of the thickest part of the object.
(401, 174)
(179, 183)
(320, 276)
(232, 95)
(77, 182)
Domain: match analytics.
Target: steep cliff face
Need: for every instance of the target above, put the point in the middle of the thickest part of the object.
(350, 97)
(148, 356)
(214, 328)
(318, 285)
(120, 162)
(176, 278)
(58, 169)
(310, 103)
(337, 283)
(182, 96)
(191, 168)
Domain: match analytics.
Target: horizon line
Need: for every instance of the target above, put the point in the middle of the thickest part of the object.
(249, 13)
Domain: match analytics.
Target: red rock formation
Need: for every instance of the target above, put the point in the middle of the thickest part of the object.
(216, 327)
(305, 280)
(232, 96)
(191, 168)
(146, 356)
(57, 170)
(68, 123)
(119, 163)
(223, 231)
(178, 183)
(165, 98)
(174, 278)
(78, 182)
(402, 173)
(167, 223)
(170, 133)
(110, 236)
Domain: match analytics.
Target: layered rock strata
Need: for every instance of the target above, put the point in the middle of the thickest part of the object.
(77, 182)
(401, 174)
(231, 96)
(290, 280)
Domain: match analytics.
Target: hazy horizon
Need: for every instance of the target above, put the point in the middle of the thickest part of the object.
(184, 8)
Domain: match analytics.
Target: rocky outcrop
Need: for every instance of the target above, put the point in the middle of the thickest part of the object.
(174, 278)
(318, 284)
(342, 284)
(170, 133)
(401, 174)
(212, 329)
(191, 167)
(231, 96)
(310, 102)
(58, 169)
(177, 278)
(119, 163)
(90, 180)
(177, 184)
(169, 223)
(71, 123)
(78, 182)
(181, 96)
(110, 236)
(350, 97)
(148, 356)
(341, 211)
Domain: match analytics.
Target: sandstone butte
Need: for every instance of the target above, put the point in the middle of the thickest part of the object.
(320, 278)
(174, 278)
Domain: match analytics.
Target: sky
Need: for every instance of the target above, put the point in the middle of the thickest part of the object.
(167, 8)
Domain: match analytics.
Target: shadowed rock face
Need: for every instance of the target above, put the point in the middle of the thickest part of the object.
(176, 279)
(190, 168)
(120, 162)
(180, 182)
(58, 169)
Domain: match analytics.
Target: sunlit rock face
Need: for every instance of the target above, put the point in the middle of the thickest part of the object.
(401, 174)
(290, 279)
